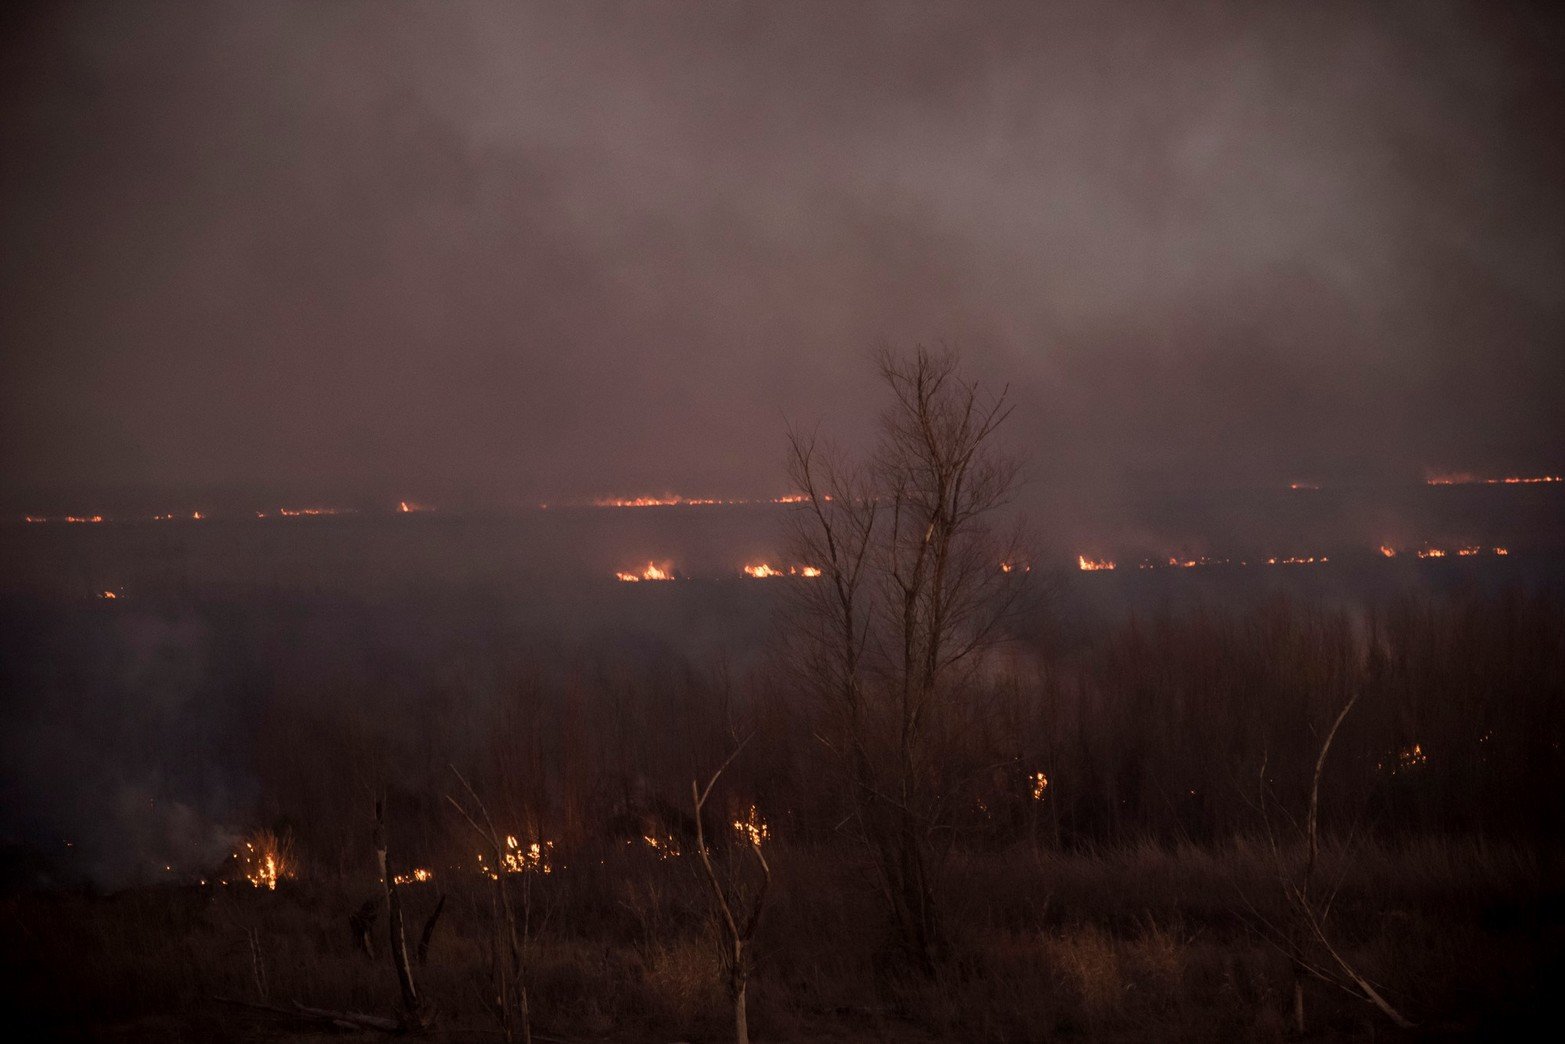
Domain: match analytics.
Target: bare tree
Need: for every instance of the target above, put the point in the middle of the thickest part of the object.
(737, 924)
(413, 1015)
(1305, 938)
(915, 585)
(506, 967)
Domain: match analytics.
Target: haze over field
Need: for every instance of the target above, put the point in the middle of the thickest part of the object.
(506, 253)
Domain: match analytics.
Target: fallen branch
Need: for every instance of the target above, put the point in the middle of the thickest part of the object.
(344, 1019)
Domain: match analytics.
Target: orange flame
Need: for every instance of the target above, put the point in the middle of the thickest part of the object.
(1040, 783)
(419, 876)
(1467, 478)
(675, 500)
(653, 571)
(1087, 565)
(266, 859)
(536, 858)
(752, 828)
(665, 846)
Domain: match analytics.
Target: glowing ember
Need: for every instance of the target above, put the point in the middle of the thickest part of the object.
(752, 828)
(653, 571)
(665, 846)
(78, 519)
(266, 859)
(1040, 784)
(1501, 551)
(1087, 565)
(1304, 485)
(107, 594)
(675, 500)
(310, 512)
(1388, 551)
(414, 877)
(1464, 478)
(670, 500)
(1467, 552)
(1431, 552)
(536, 858)
(1408, 759)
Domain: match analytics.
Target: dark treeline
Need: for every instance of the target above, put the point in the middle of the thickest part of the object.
(1157, 730)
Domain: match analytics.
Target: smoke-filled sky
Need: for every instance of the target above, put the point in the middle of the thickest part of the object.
(506, 251)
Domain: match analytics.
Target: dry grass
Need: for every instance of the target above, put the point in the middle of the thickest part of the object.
(1138, 942)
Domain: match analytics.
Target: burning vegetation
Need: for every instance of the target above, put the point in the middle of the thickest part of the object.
(763, 571)
(419, 876)
(653, 571)
(1464, 478)
(1089, 564)
(535, 857)
(751, 828)
(265, 858)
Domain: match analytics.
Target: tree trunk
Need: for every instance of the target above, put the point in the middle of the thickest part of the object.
(741, 1022)
(398, 938)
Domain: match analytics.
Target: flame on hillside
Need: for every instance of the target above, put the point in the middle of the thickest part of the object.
(653, 571)
(676, 500)
(408, 507)
(1467, 478)
(1085, 564)
(763, 570)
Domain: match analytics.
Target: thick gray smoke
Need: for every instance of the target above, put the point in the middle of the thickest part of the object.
(507, 252)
